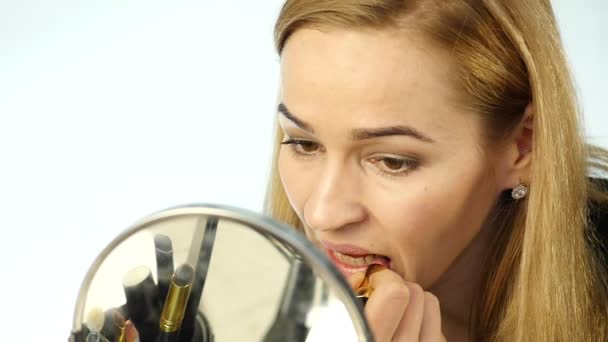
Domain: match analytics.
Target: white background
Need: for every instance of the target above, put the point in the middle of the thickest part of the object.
(110, 110)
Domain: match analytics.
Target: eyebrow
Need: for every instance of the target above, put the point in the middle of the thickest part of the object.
(300, 123)
(361, 134)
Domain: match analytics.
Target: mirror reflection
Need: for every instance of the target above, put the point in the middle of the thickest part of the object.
(197, 277)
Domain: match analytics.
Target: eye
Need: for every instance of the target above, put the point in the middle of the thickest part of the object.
(301, 146)
(394, 166)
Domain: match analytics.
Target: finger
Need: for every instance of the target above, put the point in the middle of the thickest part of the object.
(431, 321)
(131, 334)
(410, 325)
(387, 304)
(355, 280)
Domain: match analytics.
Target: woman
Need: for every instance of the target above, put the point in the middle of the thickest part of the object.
(441, 140)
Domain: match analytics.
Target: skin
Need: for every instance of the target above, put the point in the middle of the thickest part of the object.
(421, 201)
(131, 332)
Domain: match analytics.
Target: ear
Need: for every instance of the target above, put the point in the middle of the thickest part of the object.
(517, 153)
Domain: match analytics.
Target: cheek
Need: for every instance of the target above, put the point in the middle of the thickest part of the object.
(435, 219)
(413, 216)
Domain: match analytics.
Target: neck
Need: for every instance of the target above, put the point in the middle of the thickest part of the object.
(460, 285)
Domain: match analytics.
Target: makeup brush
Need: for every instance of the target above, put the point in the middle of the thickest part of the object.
(110, 330)
(94, 322)
(164, 265)
(175, 306)
(95, 319)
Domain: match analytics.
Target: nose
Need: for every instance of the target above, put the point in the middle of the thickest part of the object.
(334, 201)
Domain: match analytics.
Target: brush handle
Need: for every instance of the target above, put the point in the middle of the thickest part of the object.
(163, 248)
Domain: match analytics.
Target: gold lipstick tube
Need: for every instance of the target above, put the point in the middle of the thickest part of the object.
(177, 299)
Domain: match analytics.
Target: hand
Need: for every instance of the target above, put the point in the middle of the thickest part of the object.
(400, 311)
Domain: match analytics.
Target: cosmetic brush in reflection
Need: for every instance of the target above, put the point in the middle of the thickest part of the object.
(94, 322)
(164, 264)
(202, 267)
(109, 328)
(175, 305)
(142, 300)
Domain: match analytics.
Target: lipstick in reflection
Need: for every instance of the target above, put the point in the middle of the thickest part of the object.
(175, 305)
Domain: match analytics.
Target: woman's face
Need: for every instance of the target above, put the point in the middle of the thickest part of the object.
(379, 161)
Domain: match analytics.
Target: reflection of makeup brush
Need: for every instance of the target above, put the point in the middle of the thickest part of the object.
(142, 300)
(164, 264)
(109, 328)
(95, 319)
(94, 322)
(175, 306)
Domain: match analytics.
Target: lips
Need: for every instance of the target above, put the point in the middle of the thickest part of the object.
(352, 259)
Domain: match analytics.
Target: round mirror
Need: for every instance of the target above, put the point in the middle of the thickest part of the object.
(215, 273)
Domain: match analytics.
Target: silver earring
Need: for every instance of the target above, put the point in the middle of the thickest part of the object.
(519, 192)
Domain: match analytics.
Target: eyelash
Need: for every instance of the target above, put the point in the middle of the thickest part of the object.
(295, 143)
(410, 164)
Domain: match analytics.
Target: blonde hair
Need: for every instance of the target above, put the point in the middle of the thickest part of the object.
(544, 280)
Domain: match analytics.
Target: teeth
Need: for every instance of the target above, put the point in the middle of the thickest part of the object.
(355, 261)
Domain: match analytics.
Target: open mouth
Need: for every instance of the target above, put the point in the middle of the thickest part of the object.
(350, 264)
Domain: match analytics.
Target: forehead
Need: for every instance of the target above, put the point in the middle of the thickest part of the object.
(368, 78)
